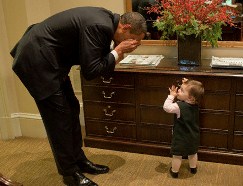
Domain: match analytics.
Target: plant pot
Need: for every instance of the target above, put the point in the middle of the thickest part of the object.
(189, 50)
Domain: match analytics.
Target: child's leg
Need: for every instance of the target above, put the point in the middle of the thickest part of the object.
(193, 160)
(176, 163)
(193, 163)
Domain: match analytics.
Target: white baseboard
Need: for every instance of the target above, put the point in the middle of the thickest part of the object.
(26, 116)
(33, 116)
(31, 125)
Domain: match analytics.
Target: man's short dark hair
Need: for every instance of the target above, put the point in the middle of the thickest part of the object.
(137, 22)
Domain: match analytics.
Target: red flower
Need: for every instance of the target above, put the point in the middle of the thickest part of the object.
(199, 17)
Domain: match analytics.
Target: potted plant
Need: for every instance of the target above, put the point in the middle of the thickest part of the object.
(199, 19)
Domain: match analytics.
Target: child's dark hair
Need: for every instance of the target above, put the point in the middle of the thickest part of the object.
(195, 89)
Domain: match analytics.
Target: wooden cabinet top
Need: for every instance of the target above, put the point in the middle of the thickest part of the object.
(170, 66)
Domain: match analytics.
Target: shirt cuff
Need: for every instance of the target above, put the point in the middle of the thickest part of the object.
(171, 97)
(115, 54)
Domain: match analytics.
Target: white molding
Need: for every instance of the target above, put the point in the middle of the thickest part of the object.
(26, 115)
(19, 129)
(31, 116)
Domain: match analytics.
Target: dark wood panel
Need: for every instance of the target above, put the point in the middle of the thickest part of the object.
(163, 81)
(238, 142)
(155, 115)
(209, 83)
(238, 123)
(216, 101)
(214, 120)
(118, 79)
(161, 150)
(239, 102)
(154, 133)
(109, 111)
(108, 94)
(239, 85)
(129, 146)
(214, 140)
(110, 129)
(152, 96)
(220, 156)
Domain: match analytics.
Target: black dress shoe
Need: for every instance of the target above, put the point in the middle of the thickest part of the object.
(78, 179)
(91, 168)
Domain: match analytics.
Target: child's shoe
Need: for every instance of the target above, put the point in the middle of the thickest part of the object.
(173, 174)
(193, 170)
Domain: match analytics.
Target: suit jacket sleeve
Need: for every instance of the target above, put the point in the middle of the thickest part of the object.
(14, 50)
(96, 59)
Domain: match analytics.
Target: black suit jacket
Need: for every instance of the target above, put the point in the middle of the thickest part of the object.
(80, 36)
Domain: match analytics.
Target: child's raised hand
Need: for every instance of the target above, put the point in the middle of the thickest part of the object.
(184, 80)
(173, 90)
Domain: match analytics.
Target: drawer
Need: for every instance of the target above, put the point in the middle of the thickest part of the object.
(152, 96)
(154, 134)
(157, 96)
(210, 120)
(109, 111)
(213, 84)
(239, 102)
(216, 101)
(238, 142)
(155, 115)
(239, 85)
(163, 81)
(110, 129)
(108, 94)
(118, 79)
(215, 140)
(238, 123)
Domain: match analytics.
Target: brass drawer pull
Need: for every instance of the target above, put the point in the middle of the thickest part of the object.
(110, 131)
(106, 81)
(109, 114)
(108, 97)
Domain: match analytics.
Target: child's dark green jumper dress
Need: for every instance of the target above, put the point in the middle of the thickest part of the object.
(186, 133)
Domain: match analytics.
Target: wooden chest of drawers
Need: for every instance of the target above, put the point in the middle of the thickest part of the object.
(125, 113)
(109, 107)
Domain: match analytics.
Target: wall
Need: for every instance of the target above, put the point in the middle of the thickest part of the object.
(9, 128)
(18, 14)
(116, 6)
(207, 52)
(18, 111)
(19, 114)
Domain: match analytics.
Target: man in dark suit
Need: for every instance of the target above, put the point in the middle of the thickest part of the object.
(43, 58)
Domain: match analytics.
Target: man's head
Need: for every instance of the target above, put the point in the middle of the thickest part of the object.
(132, 25)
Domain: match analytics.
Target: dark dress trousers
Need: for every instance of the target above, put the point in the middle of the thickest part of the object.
(42, 60)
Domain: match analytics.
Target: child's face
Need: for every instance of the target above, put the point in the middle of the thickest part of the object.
(183, 93)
